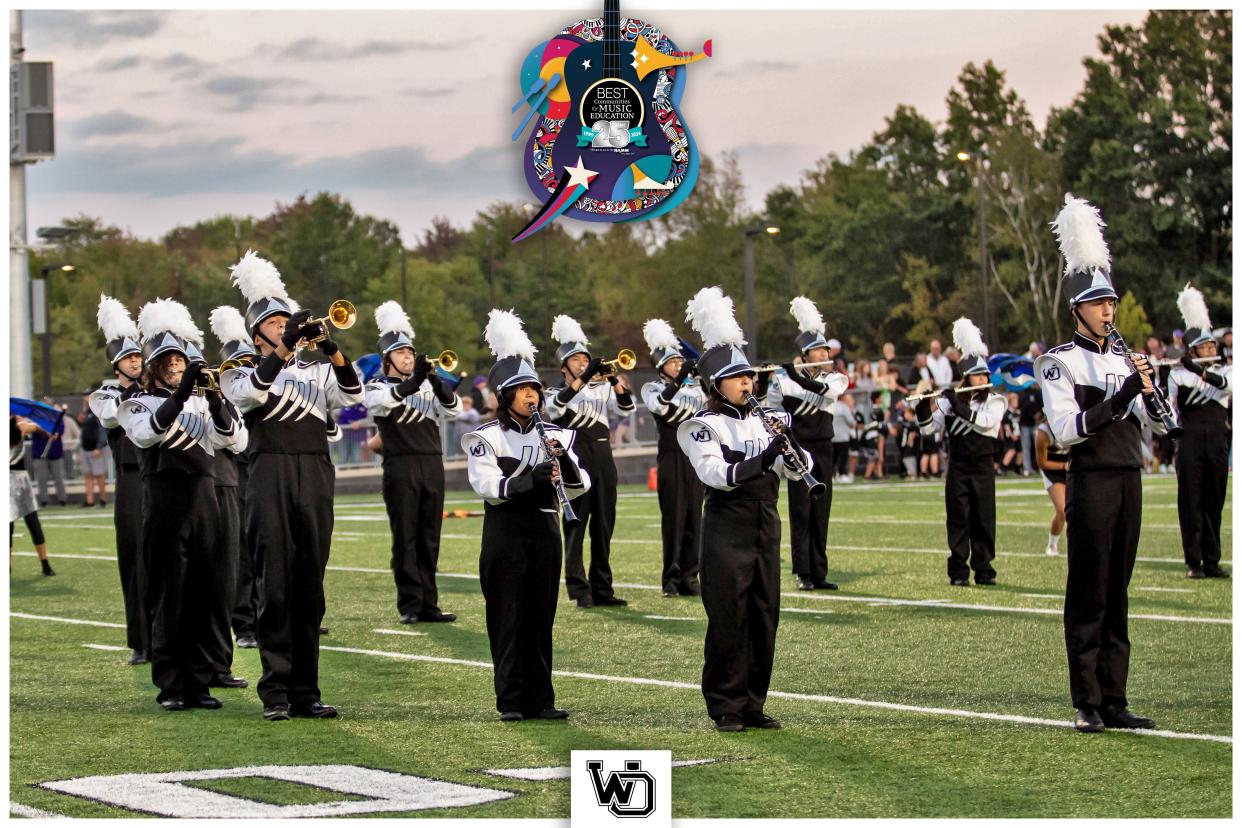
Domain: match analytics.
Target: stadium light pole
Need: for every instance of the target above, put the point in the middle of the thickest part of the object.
(980, 199)
(42, 324)
(752, 325)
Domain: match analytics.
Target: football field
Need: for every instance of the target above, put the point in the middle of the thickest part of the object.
(901, 696)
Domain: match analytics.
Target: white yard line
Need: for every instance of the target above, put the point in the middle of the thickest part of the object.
(30, 617)
(107, 647)
(1164, 589)
(672, 618)
(18, 809)
(411, 633)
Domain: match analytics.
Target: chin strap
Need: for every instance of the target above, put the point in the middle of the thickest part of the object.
(263, 336)
(1083, 322)
(117, 369)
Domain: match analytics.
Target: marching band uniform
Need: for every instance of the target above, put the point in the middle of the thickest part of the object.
(740, 465)
(289, 515)
(121, 336)
(671, 402)
(586, 412)
(407, 411)
(520, 559)
(1202, 394)
(808, 398)
(970, 484)
(1093, 406)
(180, 434)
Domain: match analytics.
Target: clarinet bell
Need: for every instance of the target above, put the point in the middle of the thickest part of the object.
(817, 490)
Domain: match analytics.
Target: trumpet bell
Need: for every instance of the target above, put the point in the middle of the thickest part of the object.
(626, 360)
(447, 360)
(342, 314)
(648, 59)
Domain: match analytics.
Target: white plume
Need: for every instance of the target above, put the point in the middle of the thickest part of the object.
(1078, 228)
(659, 334)
(228, 325)
(114, 319)
(184, 327)
(294, 307)
(566, 329)
(1194, 309)
(258, 279)
(158, 316)
(506, 337)
(967, 338)
(710, 313)
(808, 316)
(390, 318)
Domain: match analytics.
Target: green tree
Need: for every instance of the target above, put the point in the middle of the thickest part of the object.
(1131, 320)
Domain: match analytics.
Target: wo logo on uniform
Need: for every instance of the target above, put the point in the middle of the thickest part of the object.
(610, 785)
(1052, 373)
(701, 436)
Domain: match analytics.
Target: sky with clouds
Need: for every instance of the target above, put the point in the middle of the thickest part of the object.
(164, 118)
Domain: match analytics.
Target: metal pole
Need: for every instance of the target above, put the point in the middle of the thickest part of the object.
(983, 247)
(751, 325)
(21, 380)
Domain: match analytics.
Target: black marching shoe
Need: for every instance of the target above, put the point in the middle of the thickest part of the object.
(204, 700)
(761, 721)
(959, 582)
(690, 588)
(1087, 720)
(47, 567)
(406, 618)
(276, 712)
(1119, 717)
(1194, 573)
(1215, 572)
(611, 601)
(435, 616)
(247, 642)
(137, 657)
(550, 713)
(730, 723)
(511, 716)
(826, 585)
(227, 680)
(173, 704)
(804, 584)
(670, 591)
(323, 630)
(987, 580)
(313, 710)
(584, 602)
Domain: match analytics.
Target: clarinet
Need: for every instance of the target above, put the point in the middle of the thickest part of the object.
(792, 458)
(1161, 403)
(567, 511)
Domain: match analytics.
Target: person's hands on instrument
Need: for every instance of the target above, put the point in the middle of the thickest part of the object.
(1188, 362)
(328, 347)
(1146, 372)
(687, 368)
(555, 448)
(542, 473)
(592, 368)
(189, 378)
(293, 329)
(773, 450)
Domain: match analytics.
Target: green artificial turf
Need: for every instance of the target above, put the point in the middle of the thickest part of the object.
(82, 712)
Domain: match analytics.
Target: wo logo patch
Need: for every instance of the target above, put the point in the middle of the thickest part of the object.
(1052, 373)
(701, 436)
(478, 449)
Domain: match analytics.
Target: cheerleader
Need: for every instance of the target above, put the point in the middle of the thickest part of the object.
(180, 432)
(741, 464)
(516, 473)
(408, 400)
(125, 354)
(1052, 459)
(22, 503)
(672, 398)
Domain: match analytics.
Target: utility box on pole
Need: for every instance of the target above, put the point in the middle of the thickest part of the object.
(32, 136)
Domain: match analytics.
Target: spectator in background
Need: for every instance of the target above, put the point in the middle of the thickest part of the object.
(1030, 405)
(908, 439)
(95, 455)
(834, 349)
(863, 384)
(954, 355)
(939, 365)
(1226, 350)
(48, 453)
(872, 450)
(898, 369)
(467, 420)
(1034, 350)
(885, 382)
(353, 421)
(1178, 349)
(842, 433)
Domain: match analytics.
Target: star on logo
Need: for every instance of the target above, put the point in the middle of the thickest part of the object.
(580, 175)
(586, 64)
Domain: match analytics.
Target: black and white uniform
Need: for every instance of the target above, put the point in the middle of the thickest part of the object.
(413, 484)
(186, 565)
(810, 408)
(1202, 459)
(678, 488)
(127, 513)
(520, 560)
(586, 413)
(289, 510)
(970, 483)
(740, 567)
(228, 495)
(1057, 453)
(1103, 509)
(245, 616)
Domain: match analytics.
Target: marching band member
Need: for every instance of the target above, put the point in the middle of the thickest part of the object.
(229, 327)
(807, 395)
(516, 473)
(408, 401)
(971, 422)
(672, 398)
(1202, 392)
(125, 354)
(180, 433)
(583, 405)
(1052, 459)
(740, 463)
(285, 403)
(1098, 416)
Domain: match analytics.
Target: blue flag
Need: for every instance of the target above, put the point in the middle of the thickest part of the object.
(1011, 372)
(45, 416)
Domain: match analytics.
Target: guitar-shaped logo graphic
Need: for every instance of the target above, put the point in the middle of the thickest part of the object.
(608, 142)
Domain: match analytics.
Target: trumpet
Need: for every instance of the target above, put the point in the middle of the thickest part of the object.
(207, 380)
(625, 361)
(792, 459)
(447, 360)
(936, 392)
(1166, 363)
(341, 314)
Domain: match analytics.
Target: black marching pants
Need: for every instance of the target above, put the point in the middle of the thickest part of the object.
(970, 516)
(127, 519)
(520, 572)
(183, 561)
(414, 497)
(289, 521)
(597, 514)
(808, 519)
(1202, 477)
(680, 493)
(740, 573)
(246, 592)
(1103, 511)
(222, 601)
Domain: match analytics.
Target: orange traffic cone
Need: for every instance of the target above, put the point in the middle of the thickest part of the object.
(651, 479)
